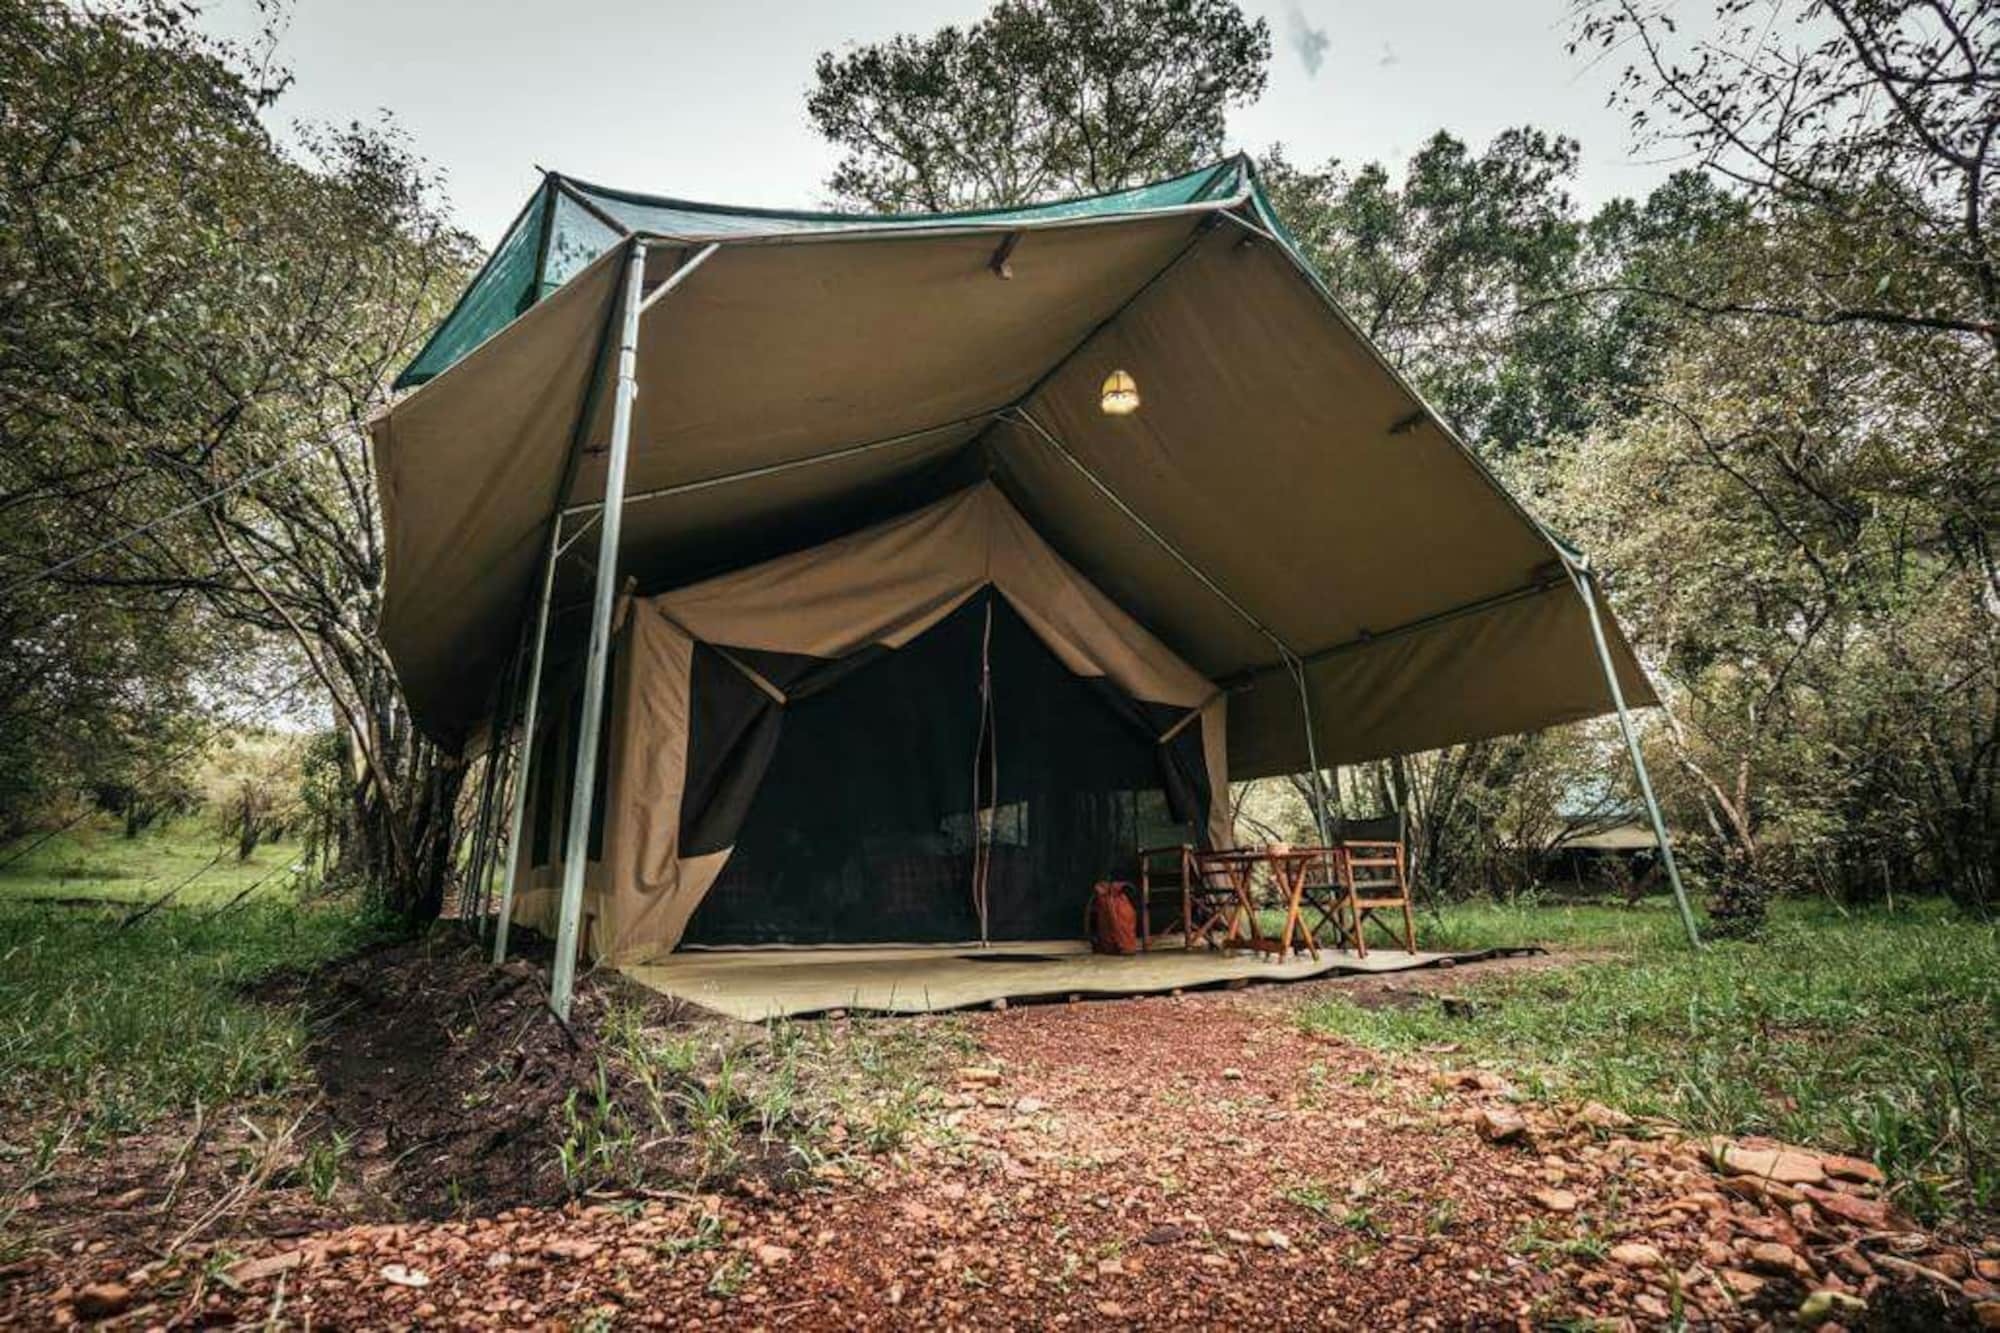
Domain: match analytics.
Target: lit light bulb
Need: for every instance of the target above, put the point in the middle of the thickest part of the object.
(1121, 395)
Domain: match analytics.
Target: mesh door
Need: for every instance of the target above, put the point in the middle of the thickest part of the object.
(863, 826)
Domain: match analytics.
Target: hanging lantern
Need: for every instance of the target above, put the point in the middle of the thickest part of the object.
(1121, 395)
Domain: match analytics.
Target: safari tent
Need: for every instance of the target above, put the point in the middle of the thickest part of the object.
(832, 579)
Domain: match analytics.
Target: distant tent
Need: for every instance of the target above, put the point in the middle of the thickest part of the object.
(1283, 534)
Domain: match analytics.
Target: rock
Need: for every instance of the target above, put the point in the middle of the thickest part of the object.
(1111, 1309)
(257, 1270)
(101, 1300)
(1556, 1201)
(772, 1255)
(1030, 1105)
(570, 1249)
(1497, 1124)
(1987, 1313)
(1870, 1213)
(1742, 1285)
(1824, 1305)
(982, 1075)
(1633, 1254)
(1232, 1073)
(1852, 1168)
(1235, 1237)
(1599, 1116)
(399, 1275)
(1274, 1240)
(1164, 1234)
(1988, 1269)
(1951, 1263)
(1777, 1164)
(1459, 1006)
(1775, 1258)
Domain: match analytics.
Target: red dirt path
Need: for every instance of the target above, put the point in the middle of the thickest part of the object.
(1157, 1163)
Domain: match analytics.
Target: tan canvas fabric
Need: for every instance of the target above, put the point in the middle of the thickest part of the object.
(468, 470)
(889, 583)
(1274, 449)
(653, 888)
(883, 585)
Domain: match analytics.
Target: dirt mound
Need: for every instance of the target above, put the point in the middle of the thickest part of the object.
(448, 1080)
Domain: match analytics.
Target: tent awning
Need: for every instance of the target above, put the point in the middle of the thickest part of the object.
(1281, 492)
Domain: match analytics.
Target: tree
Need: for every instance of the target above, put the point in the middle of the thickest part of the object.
(1877, 120)
(193, 320)
(1799, 533)
(1464, 274)
(1801, 515)
(1038, 98)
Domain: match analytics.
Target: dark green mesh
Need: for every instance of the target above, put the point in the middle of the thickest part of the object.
(503, 289)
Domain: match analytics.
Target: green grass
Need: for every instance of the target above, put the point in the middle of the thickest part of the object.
(1876, 1033)
(1649, 924)
(103, 1028)
(1528, 921)
(97, 861)
(799, 1094)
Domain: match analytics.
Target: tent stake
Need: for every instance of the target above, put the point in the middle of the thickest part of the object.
(583, 788)
(1584, 581)
(526, 749)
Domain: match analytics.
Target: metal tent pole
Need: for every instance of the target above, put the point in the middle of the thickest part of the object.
(1583, 579)
(525, 752)
(479, 874)
(583, 788)
(469, 904)
(1312, 754)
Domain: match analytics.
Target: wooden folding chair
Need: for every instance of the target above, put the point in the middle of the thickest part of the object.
(1324, 897)
(1375, 876)
(1217, 899)
(1164, 874)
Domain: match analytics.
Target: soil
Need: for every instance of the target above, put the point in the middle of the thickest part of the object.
(446, 1077)
(1161, 1162)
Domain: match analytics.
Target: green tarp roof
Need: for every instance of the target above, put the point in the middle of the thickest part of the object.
(568, 223)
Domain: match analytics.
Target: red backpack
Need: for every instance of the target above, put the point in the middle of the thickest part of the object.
(1114, 922)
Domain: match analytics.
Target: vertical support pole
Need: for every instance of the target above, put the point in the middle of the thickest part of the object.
(469, 894)
(479, 872)
(1583, 580)
(1298, 670)
(584, 786)
(526, 748)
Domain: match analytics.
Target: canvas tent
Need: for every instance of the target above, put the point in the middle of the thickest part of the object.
(693, 391)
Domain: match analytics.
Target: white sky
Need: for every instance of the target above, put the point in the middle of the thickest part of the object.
(706, 100)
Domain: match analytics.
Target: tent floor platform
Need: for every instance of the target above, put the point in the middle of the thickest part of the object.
(759, 984)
